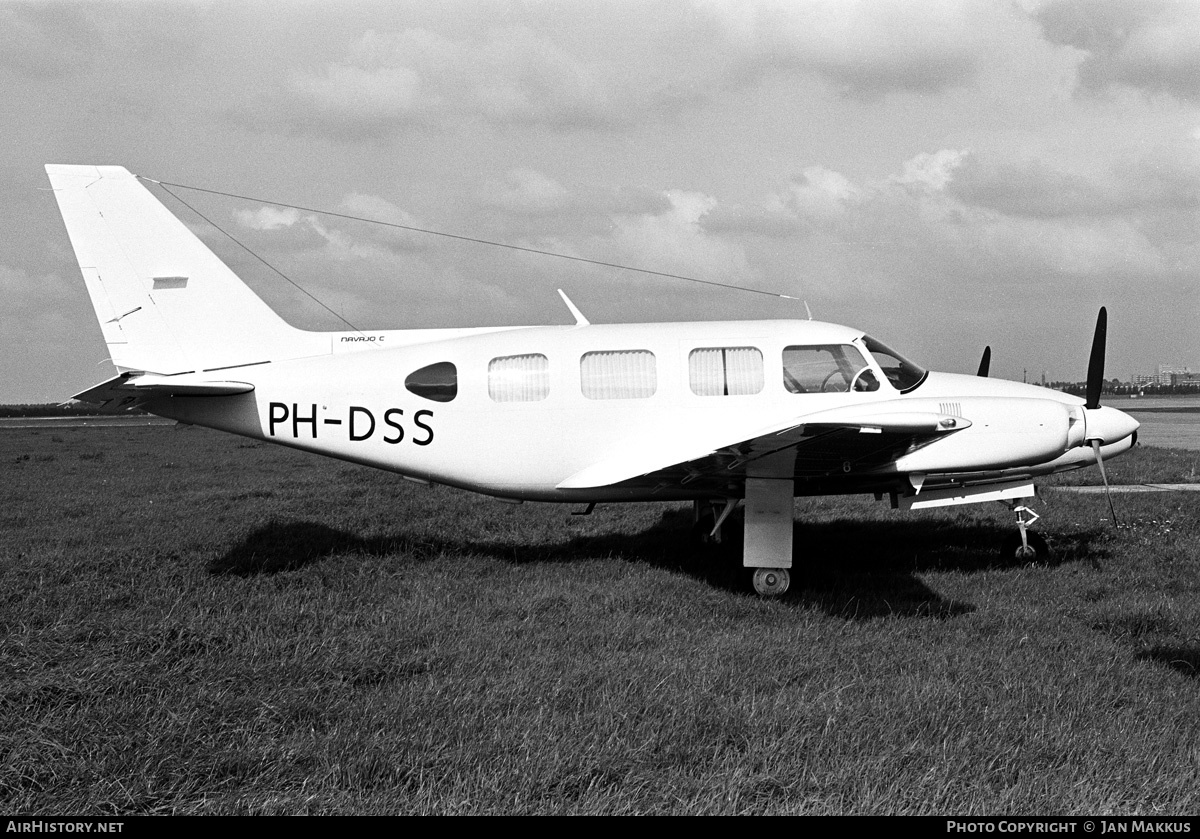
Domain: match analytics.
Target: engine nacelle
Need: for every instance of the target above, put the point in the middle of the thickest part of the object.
(1004, 432)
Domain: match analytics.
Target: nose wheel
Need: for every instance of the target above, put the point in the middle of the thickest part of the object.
(771, 582)
(1035, 548)
(1025, 546)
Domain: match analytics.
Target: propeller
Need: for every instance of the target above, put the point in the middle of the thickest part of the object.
(1095, 379)
(985, 363)
(1095, 384)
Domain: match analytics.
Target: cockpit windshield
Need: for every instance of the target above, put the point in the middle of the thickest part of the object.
(903, 374)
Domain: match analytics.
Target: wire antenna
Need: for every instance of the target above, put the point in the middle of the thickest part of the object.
(461, 238)
(247, 249)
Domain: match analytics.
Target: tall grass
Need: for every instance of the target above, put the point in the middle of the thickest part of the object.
(192, 623)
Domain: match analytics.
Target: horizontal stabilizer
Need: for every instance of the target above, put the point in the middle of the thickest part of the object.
(129, 391)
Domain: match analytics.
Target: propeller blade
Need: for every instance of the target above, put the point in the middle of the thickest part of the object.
(1104, 475)
(1095, 378)
(985, 363)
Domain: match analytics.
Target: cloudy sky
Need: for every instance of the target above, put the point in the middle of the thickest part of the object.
(942, 175)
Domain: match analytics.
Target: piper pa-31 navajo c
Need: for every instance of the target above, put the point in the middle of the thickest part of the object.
(716, 413)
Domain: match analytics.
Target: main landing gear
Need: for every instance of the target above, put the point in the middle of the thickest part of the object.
(1026, 545)
(767, 536)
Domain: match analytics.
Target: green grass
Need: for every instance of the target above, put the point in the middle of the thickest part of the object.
(193, 623)
(1146, 464)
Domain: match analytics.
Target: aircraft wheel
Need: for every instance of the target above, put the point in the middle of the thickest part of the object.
(1037, 551)
(771, 582)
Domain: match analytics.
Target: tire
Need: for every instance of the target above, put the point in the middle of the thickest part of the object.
(1038, 551)
(771, 582)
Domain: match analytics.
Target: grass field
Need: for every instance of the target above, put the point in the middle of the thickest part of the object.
(195, 623)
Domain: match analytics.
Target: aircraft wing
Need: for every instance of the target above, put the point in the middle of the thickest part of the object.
(837, 443)
(128, 391)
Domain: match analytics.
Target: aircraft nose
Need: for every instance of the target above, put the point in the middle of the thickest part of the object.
(1108, 425)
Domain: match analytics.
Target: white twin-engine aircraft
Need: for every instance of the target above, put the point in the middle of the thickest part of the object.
(713, 413)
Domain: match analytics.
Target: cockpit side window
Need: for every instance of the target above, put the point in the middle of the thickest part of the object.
(826, 368)
(901, 373)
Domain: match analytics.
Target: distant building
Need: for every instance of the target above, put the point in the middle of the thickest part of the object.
(1168, 375)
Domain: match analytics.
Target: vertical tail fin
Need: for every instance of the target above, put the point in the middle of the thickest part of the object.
(165, 302)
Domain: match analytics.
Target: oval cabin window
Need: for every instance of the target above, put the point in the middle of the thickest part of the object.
(435, 382)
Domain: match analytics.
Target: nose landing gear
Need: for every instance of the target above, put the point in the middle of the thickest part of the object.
(1025, 546)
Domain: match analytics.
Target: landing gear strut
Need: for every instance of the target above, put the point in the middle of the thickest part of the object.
(767, 545)
(707, 518)
(1025, 546)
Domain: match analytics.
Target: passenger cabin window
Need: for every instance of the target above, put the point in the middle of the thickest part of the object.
(436, 382)
(622, 374)
(725, 371)
(829, 368)
(519, 378)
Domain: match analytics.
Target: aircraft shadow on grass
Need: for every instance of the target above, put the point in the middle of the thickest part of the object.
(842, 566)
(1181, 659)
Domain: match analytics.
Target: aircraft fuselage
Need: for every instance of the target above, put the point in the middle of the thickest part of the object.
(591, 393)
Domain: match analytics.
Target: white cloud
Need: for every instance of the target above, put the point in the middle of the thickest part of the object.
(565, 126)
(820, 193)
(355, 237)
(675, 241)
(643, 63)
(267, 218)
(931, 171)
(375, 208)
(277, 230)
(417, 77)
(359, 93)
(526, 192)
(866, 49)
(1162, 179)
(947, 221)
(771, 220)
(1153, 45)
